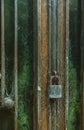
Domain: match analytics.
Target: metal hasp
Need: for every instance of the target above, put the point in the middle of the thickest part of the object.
(55, 91)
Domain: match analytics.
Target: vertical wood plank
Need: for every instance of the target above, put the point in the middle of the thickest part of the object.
(57, 43)
(44, 65)
(2, 52)
(58, 61)
(35, 116)
(37, 65)
(82, 71)
(49, 61)
(62, 60)
(58, 35)
(39, 62)
(45, 53)
(16, 67)
(54, 33)
(67, 63)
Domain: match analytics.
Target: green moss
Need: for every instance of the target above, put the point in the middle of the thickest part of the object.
(74, 102)
(25, 78)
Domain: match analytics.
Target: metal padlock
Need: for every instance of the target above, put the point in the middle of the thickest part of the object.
(55, 90)
(7, 103)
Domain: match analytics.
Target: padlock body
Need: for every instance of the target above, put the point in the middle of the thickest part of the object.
(55, 91)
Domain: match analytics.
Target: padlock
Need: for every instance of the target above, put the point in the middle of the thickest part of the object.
(55, 90)
(7, 103)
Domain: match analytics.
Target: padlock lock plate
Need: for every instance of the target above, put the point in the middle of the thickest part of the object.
(55, 91)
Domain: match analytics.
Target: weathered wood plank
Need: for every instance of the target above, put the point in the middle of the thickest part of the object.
(67, 64)
(82, 71)
(35, 124)
(37, 65)
(16, 67)
(58, 27)
(58, 37)
(54, 45)
(49, 61)
(62, 60)
(41, 66)
(54, 32)
(44, 66)
(39, 62)
(2, 52)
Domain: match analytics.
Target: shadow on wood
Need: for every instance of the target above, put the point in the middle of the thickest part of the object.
(6, 120)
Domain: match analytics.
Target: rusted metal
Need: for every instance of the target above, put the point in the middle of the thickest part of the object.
(2, 52)
(16, 68)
